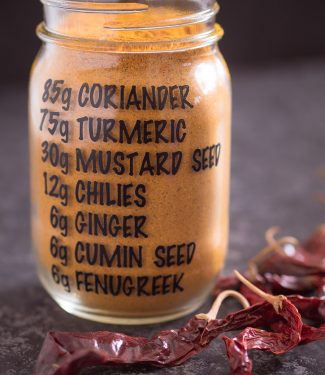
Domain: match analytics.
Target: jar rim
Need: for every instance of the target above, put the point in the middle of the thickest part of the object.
(136, 47)
(109, 7)
(185, 24)
(97, 6)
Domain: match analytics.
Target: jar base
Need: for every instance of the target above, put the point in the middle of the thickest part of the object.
(102, 316)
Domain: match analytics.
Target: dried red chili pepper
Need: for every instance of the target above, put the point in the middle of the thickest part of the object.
(286, 324)
(286, 267)
(284, 330)
(66, 353)
(312, 309)
(311, 334)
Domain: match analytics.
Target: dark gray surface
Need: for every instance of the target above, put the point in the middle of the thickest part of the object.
(256, 31)
(278, 153)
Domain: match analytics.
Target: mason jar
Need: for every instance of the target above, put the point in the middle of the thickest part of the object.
(130, 127)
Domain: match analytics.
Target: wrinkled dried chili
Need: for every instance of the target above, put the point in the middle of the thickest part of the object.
(285, 266)
(65, 353)
(311, 334)
(286, 325)
(313, 310)
(310, 308)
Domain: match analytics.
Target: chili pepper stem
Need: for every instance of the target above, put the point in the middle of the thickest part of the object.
(273, 245)
(212, 314)
(275, 301)
(277, 244)
(271, 241)
(270, 234)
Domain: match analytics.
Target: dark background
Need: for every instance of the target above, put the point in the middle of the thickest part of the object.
(257, 32)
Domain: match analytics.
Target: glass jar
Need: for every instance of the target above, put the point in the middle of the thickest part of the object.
(130, 127)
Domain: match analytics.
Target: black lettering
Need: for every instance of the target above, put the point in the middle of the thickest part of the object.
(109, 92)
(82, 99)
(184, 91)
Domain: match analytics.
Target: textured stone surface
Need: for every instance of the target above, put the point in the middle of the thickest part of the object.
(278, 150)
